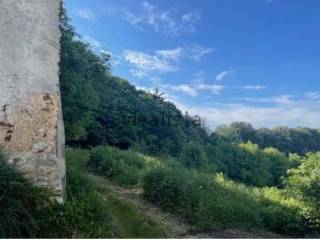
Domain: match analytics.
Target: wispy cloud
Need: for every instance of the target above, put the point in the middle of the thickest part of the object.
(196, 52)
(164, 21)
(193, 90)
(86, 14)
(144, 64)
(174, 54)
(162, 61)
(282, 99)
(214, 88)
(222, 75)
(285, 99)
(187, 89)
(255, 87)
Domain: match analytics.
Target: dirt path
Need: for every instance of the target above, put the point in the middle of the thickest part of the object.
(131, 201)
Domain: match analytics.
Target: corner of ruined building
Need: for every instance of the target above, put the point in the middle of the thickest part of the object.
(31, 125)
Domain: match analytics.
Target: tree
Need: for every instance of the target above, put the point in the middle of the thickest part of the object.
(304, 184)
(238, 132)
(193, 156)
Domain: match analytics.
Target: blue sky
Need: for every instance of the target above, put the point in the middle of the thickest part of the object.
(225, 60)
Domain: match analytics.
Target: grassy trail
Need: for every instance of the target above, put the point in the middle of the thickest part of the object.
(134, 217)
(130, 209)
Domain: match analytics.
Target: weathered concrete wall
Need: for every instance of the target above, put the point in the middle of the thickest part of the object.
(31, 125)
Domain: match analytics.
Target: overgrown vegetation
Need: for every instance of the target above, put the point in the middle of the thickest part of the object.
(92, 211)
(27, 211)
(214, 202)
(208, 201)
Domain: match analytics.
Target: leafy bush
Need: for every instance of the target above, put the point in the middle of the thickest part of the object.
(124, 167)
(281, 214)
(303, 183)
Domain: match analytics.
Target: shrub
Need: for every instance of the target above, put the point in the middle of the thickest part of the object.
(303, 183)
(124, 167)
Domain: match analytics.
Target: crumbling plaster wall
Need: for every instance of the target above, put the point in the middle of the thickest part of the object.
(31, 125)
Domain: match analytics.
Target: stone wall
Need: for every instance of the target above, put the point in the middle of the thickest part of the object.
(31, 126)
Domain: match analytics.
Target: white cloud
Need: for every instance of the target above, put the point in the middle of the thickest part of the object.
(144, 64)
(255, 87)
(91, 41)
(162, 61)
(194, 89)
(196, 52)
(86, 14)
(222, 75)
(164, 21)
(187, 89)
(174, 54)
(282, 99)
(215, 89)
(293, 114)
(285, 99)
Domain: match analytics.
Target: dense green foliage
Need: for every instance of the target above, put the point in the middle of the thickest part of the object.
(304, 184)
(288, 140)
(247, 163)
(102, 109)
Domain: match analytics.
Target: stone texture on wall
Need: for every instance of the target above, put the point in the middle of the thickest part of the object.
(31, 126)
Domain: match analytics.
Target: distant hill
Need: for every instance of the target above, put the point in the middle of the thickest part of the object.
(289, 140)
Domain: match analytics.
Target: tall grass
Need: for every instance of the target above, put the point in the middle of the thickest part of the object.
(212, 202)
(27, 212)
(19, 204)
